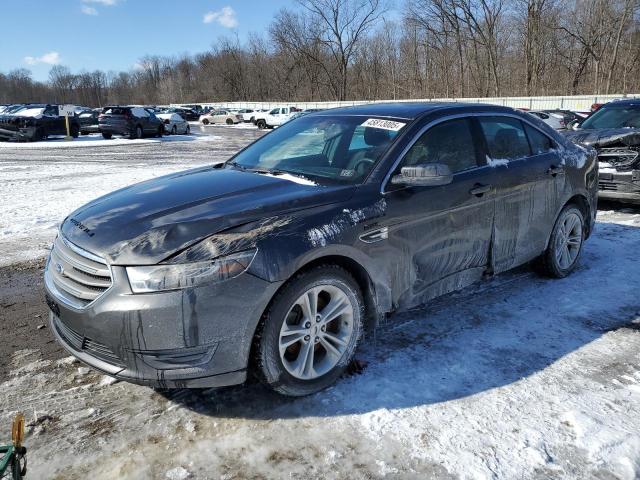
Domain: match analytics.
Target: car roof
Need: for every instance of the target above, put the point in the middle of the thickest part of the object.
(625, 102)
(406, 110)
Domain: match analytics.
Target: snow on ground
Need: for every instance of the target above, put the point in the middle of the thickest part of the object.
(517, 377)
(95, 140)
(43, 182)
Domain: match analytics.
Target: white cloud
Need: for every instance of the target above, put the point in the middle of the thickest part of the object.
(226, 17)
(88, 10)
(106, 3)
(50, 58)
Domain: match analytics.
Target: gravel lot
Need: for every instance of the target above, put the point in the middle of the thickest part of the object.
(517, 377)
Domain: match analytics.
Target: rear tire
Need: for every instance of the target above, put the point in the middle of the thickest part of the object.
(75, 131)
(229, 121)
(261, 124)
(107, 136)
(188, 130)
(205, 122)
(174, 130)
(160, 132)
(300, 347)
(565, 244)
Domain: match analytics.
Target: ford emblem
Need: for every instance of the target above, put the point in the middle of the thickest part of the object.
(59, 268)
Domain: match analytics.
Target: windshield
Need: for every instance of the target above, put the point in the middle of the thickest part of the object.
(331, 148)
(614, 116)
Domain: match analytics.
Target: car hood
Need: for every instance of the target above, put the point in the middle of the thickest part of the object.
(605, 137)
(145, 223)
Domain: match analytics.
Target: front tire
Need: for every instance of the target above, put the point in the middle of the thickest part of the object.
(565, 244)
(106, 135)
(310, 332)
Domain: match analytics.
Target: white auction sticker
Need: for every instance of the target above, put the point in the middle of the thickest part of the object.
(384, 124)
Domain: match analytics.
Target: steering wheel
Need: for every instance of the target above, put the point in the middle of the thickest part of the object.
(362, 164)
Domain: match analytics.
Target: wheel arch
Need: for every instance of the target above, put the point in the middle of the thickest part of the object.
(582, 203)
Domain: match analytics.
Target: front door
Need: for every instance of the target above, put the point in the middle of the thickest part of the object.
(441, 235)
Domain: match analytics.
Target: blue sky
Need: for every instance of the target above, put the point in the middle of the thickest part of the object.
(114, 34)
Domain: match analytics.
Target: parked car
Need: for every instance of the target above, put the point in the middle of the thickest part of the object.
(278, 260)
(186, 113)
(36, 121)
(555, 121)
(174, 123)
(220, 116)
(247, 114)
(568, 116)
(89, 121)
(197, 109)
(614, 131)
(277, 117)
(130, 121)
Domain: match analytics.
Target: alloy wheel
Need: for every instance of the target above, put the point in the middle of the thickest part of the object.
(316, 332)
(568, 240)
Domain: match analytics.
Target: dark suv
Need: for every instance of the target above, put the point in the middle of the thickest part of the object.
(134, 122)
(614, 131)
(36, 121)
(276, 261)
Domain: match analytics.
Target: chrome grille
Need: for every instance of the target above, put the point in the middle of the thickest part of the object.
(78, 276)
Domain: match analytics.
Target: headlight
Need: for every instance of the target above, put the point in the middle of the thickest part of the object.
(157, 278)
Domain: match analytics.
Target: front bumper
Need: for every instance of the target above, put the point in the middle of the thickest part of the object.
(24, 133)
(192, 338)
(620, 186)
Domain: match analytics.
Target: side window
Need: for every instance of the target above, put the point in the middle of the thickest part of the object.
(505, 138)
(540, 143)
(450, 143)
(51, 111)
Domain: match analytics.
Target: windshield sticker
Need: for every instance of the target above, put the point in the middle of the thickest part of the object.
(384, 124)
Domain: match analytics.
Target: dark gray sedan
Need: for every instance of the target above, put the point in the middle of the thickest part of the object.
(275, 262)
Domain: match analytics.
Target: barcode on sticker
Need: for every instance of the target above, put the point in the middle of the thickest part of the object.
(384, 124)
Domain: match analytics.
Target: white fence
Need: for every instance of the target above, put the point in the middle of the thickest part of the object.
(578, 102)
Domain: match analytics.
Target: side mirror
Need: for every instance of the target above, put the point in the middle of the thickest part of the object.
(425, 175)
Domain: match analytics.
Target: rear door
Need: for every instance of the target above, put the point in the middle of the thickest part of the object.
(441, 235)
(528, 186)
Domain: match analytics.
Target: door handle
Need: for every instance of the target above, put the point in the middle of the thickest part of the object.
(478, 190)
(553, 170)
